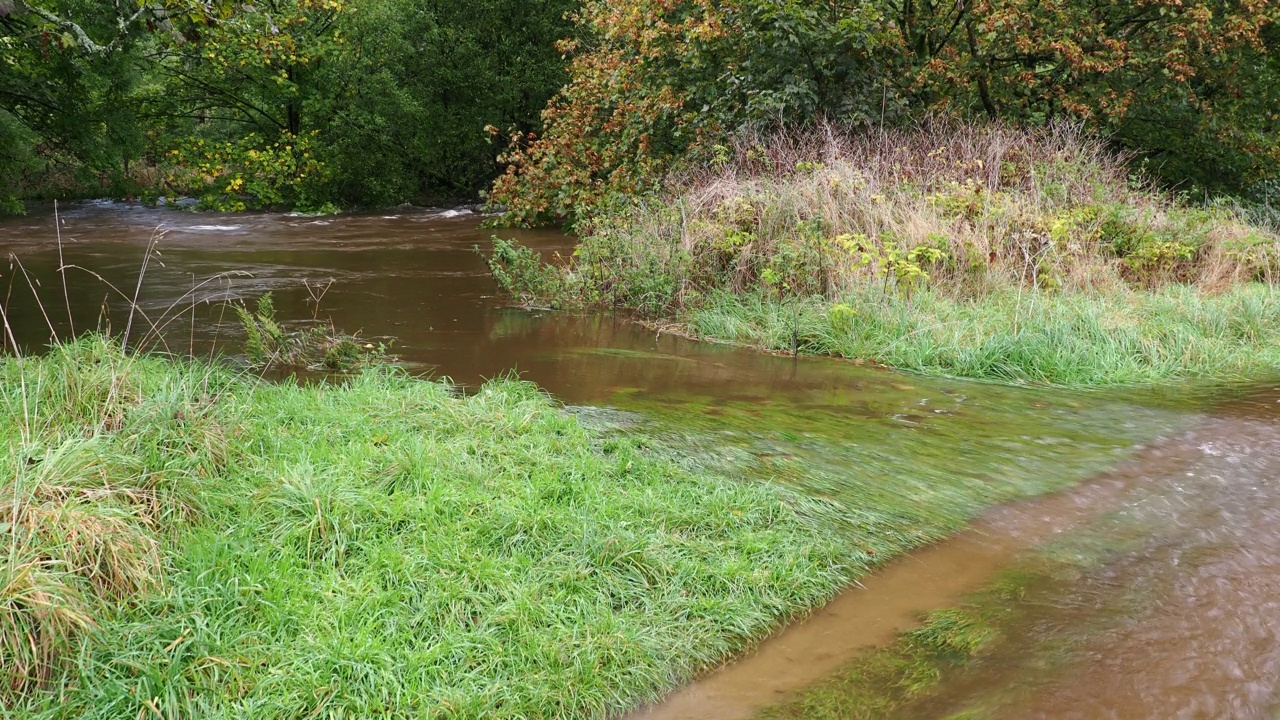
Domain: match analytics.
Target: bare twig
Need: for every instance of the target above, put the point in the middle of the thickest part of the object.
(62, 268)
(142, 274)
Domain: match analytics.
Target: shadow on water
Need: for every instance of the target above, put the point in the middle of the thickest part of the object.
(849, 436)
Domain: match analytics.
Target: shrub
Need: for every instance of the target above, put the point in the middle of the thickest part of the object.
(961, 209)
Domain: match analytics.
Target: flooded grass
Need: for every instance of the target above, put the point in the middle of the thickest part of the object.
(384, 547)
(877, 685)
(896, 465)
(1072, 339)
(186, 542)
(919, 674)
(315, 347)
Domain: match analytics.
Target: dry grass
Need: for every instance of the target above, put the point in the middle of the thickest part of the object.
(963, 209)
(103, 462)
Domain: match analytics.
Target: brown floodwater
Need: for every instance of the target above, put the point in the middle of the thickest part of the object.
(1180, 619)
(893, 599)
(1211, 566)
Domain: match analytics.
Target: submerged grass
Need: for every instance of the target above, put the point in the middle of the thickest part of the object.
(893, 463)
(883, 682)
(1031, 617)
(388, 547)
(907, 679)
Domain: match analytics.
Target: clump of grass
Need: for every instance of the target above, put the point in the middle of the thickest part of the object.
(105, 458)
(384, 546)
(317, 346)
(885, 228)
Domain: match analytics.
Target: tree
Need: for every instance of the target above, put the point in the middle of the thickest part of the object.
(1189, 85)
(277, 102)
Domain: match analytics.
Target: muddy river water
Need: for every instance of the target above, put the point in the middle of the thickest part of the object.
(1182, 619)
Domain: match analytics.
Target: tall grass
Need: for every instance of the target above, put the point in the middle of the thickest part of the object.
(105, 459)
(980, 251)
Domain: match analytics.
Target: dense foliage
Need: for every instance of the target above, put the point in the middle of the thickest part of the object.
(294, 103)
(308, 103)
(1191, 86)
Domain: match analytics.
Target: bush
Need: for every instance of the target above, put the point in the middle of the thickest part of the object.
(656, 85)
(960, 209)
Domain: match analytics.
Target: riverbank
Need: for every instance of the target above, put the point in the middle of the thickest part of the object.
(972, 252)
(193, 543)
(188, 541)
(1121, 337)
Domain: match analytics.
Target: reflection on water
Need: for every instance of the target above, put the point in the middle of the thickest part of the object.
(845, 434)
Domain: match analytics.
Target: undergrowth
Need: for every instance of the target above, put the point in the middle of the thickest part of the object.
(315, 346)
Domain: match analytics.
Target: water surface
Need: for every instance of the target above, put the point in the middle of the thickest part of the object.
(844, 434)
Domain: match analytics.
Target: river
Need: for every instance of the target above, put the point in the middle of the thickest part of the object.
(1196, 469)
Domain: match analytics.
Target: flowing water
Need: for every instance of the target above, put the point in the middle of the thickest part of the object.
(1202, 493)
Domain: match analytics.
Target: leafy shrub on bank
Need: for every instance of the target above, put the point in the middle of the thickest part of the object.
(959, 209)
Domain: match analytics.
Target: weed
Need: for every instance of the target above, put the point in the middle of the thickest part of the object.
(317, 346)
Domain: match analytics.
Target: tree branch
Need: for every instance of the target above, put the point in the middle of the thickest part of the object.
(82, 38)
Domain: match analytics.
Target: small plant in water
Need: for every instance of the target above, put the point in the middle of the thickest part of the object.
(317, 346)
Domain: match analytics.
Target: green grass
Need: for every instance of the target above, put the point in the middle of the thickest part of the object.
(184, 541)
(386, 547)
(1138, 337)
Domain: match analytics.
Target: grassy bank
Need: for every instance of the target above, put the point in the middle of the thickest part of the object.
(184, 541)
(977, 252)
(1124, 336)
(181, 542)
